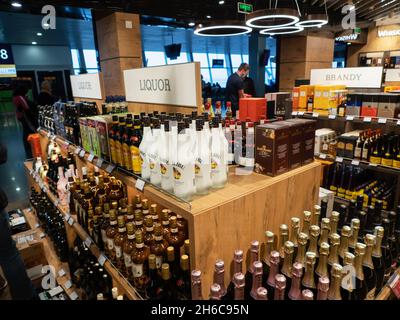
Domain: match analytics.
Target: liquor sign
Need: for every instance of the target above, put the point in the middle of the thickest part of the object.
(87, 86)
(245, 8)
(177, 84)
(350, 77)
(383, 33)
(392, 75)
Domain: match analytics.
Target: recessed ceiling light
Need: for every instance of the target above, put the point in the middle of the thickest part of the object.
(34, 43)
(349, 43)
(191, 24)
(208, 17)
(39, 34)
(16, 4)
(221, 2)
(18, 189)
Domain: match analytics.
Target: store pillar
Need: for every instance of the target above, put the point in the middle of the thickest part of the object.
(257, 67)
(299, 55)
(120, 48)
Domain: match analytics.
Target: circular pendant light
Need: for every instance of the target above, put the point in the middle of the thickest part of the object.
(282, 30)
(313, 20)
(221, 29)
(272, 18)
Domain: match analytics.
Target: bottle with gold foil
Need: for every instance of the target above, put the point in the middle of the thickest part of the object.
(139, 221)
(238, 281)
(237, 269)
(254, 256)
(294, 232)
(309, 279)
(334, 222)
(175, 238)
(105, 224)
(145, 207)
(154, 284)
(111, 139)
(334, 250)
(114, 206)
(368, 267)
(377, 258)
(154, 213)
(316, 217)
(165, 221)
(288, 263)
(127, 249)
(173, 263)
(126, 151)
(111, 232)
(336, 279)
(158, 247)
(168, 289)
(307, 295)
(219, 275)
(183, 280)
(355, 229)
(269, 247)
(313, 245)
(283, 237)
(96, 235)
(347, 288)
(182, 226)
(149, 231)
(140, 258)
(123, 207)
(115, 193)
(118, 142)
(186, 247)
(257, 279)
(325, 229)
(87, 204)
(322, 267)
(344, 243)
(295, 289)
(90, 223)
(323, 288)
(130, 217)
(306, 222)
(361, 290)
(273, 271)
(119, 241)
(196, 285)
(138, 202)
(301, 250)
(280, 287)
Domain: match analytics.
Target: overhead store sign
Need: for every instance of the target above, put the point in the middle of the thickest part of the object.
(392, 75)
(388, 33)
(357, 36)
(8, 71)
(350, 77)
(87, 86)
(172, 85)
(7, 66)
(245, 8)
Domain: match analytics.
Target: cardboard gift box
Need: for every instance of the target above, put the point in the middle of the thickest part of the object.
(370, 105)
(252, 108)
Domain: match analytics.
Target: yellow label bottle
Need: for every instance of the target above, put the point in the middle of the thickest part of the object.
(112, 151)
(136, 160)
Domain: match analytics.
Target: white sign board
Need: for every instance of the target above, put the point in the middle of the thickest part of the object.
(393, 75)
(86, 86)
(173, 84)
(351, 77)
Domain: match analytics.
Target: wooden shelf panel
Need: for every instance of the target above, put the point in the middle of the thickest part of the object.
(120, 281)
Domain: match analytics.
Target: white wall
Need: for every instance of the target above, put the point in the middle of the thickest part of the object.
(42, 58)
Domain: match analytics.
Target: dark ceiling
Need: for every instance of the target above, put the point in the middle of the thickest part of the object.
(184, 11)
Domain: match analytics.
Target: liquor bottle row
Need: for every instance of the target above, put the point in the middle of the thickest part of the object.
(52, 222)
(350, 182)
(114, 104)
(313, 261)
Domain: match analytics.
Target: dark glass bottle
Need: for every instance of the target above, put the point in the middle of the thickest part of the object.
(295, 289)
(254, 256)
(167, 289)
(309, 278)
(183, 279)
(154, 283)
(368, 267)
(336, 276)
(237, 268)
(280, 287)
(361, 290)
(377, 258)
(274, 270)
(257, 279)
(347, 290)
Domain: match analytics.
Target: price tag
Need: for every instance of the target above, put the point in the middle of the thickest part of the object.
(68, 284)
(367, 119)
(55, 291)
(67, 216)
(91, 157)
(61, 273)
(294, 113)
(322, 156)
(398, 122)
(77, 150)
(99, 162)
(57, 202)
(332, 117)
(349, 118)
(73, 296)
(382, 120)
(102, 259)
(82, 153)
(88, 242)
(65, 145)
(110, 168)
(355, 163)
(315, 115)
(301, 113)
(140, 184)
(71, 221)
(48, 134)
(339, 159)
(373, 165)
(395, 286)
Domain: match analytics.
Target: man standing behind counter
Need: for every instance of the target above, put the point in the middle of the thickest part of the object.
(235, 87)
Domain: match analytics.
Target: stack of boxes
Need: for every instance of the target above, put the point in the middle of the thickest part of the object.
(384, 105)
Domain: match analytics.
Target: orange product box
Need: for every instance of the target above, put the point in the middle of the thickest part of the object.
(253, 108)
(295, 98)
(305, 92)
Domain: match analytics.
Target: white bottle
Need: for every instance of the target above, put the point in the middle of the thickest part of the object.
(183, 167)
(167, 177)
(250, 161)
(152, 152)
(38, 164)
(192, 146)
(202, 161)
(144, 145)
(229, 131)
(219, 172)
(206, 129)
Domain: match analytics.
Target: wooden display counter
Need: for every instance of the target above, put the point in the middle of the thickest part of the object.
(231, 217)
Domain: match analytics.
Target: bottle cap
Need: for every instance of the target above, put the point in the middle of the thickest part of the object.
(302, 238)
(97, 210)
(360, 249)
(295, 222)
(113, 215)
(280, 282)
(314, 231)
(324, 249)
(323, 284)
(129, 209)
(255, 246)
(139, 236)
(215, 290)
(145, 204)
(238, 279)
(152, 262)
(336, 270)
(317, 208)
(158, 229)
(148, 221)
(335, 216)
(334, 238)
(120, 297)
(310, 258)
(289, 247)
(262, 293)
(196, 275)
(297, 269)
(165, 271)
(307, 216)
(219, 266)
(238, 255)
(270, 236)
(130, 227)
(257, 267)
(114, 292)
(348, 258)
(369, 239)
(355, 223)
(185, 262)
(138, 215)
(114, 205)
(275, 258)
(170, 254)
(346, 231)
(283, 230)
(307, 294)
(379, 232)
(121, 221)
(326, 224)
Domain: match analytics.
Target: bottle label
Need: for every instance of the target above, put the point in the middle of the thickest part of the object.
(144, 160)
(159, 261)
(341, 192)
(371, 294)
(357, 153)
(396, 163)
(119, 152)
(118, 252)
(127, 260)
(127, 157)
(137, 270)
(387, 162)
(136, 160)
(110, 244)
(112, 151)
(375, 160)
(103, 236)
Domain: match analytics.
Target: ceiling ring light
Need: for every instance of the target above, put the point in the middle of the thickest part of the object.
(282, 30)
(263, 19)
(313, 20)
(221, 29)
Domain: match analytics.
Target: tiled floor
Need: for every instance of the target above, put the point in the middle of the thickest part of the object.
(12, 174)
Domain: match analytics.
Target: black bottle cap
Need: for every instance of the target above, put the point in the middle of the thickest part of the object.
(166, 126)
(115, 118)
(194, 114)
(129, 116)
(136, 117)
(128, 120)
(181, 127)
(122, 119)
(199, 124)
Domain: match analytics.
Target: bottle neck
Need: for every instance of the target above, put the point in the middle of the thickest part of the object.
(267, 254)
(333, 255)
(313, 247)
(354, 238)
(344, 246)
(272, 273)
(308, 280)
(253, 258)
(196, 291)
(279, 294)
(334, 290)
(295, 291)
(367, 261)
(322, 295)
(301, 251)
(322, 268)
(239, 292)
(257, 283)
(293, 236)
(237, 266)
(324, 236)
(219, 279)
(377, 251)
(287, 265)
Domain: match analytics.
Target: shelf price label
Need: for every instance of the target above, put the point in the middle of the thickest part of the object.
(77, 150)
(57, 202)
(91, 157)
(67, 216)
(332, 117)
(294, 113)
(102, 259)
(373, 164)
(355, 163)
(398, 122)
(382, 120)
(322, 156)
(110, 168)
(68, 284)
(301, 113)
(71, 221)
(395, 285)
(140, 184)
(339, 159)
(73, 296)
(367, 119)
(82, 153)
(99, 162)
(88, 242)
(315, 115)
(61, 273)
(349, 118)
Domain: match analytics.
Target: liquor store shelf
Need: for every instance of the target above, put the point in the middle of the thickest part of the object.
(357, 119)
(119, 280)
